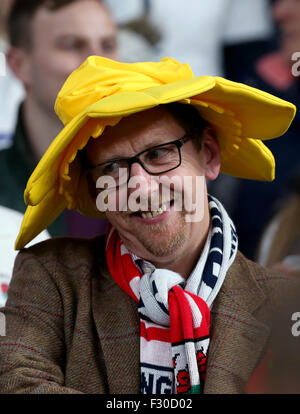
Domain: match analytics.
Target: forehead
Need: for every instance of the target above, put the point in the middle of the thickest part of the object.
(83, 17)
(133, 134)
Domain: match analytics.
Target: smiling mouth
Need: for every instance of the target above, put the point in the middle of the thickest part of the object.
(155, 213)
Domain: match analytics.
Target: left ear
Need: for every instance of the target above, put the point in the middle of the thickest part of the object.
(211, 153)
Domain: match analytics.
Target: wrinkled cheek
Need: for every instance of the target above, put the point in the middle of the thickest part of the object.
(111, 200)
(118, 221)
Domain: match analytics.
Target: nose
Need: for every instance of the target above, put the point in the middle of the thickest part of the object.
(90, 50)
(139, 174)
(100, 48)
(143, 181)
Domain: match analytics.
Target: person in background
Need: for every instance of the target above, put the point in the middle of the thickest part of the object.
(10, 222)
(11, 89)
(48, 40)
(280, 245)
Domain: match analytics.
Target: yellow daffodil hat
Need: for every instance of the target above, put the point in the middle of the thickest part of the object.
(102, 91)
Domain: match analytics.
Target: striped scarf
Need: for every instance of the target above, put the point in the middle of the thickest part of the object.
(175, 313)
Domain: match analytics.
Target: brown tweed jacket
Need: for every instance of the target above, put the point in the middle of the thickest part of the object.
(71, 329)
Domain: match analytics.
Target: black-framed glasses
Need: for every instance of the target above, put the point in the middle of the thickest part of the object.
(156, 160)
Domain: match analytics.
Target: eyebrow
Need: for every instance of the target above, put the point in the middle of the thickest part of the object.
(79, 37)
(151, 145)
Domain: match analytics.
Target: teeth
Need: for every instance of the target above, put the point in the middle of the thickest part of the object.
(152, 214)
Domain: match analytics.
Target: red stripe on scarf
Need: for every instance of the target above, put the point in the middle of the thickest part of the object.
(154, 334)
(121, 267)
(181, 319)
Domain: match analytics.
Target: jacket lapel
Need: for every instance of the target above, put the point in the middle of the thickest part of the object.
(117, 324)
(238, 337)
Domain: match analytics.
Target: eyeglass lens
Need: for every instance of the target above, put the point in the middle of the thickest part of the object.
(155, 160)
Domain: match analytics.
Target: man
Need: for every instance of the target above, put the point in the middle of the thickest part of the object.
(49, 39)
(166, 304)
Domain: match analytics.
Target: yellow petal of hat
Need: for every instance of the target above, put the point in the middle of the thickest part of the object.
(102, 91)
